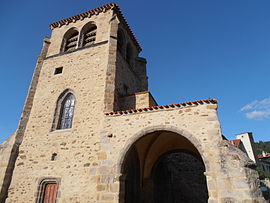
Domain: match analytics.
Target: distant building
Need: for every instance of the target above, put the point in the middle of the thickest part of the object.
(264, 161)
(245, 142)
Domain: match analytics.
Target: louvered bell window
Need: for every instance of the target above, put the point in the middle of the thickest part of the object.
(90, 36)
(71, 42)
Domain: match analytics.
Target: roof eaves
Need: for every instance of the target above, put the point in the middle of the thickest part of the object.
(170, 106)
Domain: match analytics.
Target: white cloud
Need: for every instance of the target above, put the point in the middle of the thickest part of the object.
(258, 115)
(257, 110)
(249, 106)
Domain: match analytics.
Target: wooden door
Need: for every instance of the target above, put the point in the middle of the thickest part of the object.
(50, 193)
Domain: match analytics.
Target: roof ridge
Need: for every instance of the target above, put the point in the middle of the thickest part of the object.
(213, 101)
(96, 11)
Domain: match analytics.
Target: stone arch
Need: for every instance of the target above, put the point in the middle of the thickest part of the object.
(144, 150)
(143, 132)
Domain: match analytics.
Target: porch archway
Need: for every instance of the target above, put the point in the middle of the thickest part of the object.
(163, 167)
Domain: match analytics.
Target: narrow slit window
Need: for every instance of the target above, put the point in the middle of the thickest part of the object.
(54, 156)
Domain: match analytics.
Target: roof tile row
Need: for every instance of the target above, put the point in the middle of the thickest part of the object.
(170, 106)
(260, 156)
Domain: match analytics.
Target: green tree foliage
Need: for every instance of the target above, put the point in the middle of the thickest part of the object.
(262, 146)
(262, 174)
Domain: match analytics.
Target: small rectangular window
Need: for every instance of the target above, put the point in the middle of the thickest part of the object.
(58, 70)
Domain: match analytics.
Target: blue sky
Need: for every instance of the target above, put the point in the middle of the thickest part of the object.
(196, 49)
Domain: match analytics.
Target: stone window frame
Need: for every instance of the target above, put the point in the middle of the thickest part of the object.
(41, 188)
(58, 110)
(83, 31)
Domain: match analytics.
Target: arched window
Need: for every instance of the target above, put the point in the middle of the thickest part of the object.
(129, 54)
(67, 110)
(64, 111)
(120, 41)
(88, 34)
(70, 40)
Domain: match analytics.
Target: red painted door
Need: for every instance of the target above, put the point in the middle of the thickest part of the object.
(50, 193)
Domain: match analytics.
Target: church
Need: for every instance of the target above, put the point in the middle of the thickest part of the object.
(91, 132)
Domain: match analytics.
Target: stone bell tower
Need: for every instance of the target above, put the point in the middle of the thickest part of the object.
(89, 65)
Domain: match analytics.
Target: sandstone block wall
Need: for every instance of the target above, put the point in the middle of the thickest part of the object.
(137, 101)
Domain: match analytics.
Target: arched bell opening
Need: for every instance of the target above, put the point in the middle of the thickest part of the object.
(163, 167)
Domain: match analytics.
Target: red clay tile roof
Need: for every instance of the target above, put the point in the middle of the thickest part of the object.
(235, 142)
(260, 156)
(170, 106)
(96, 11)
